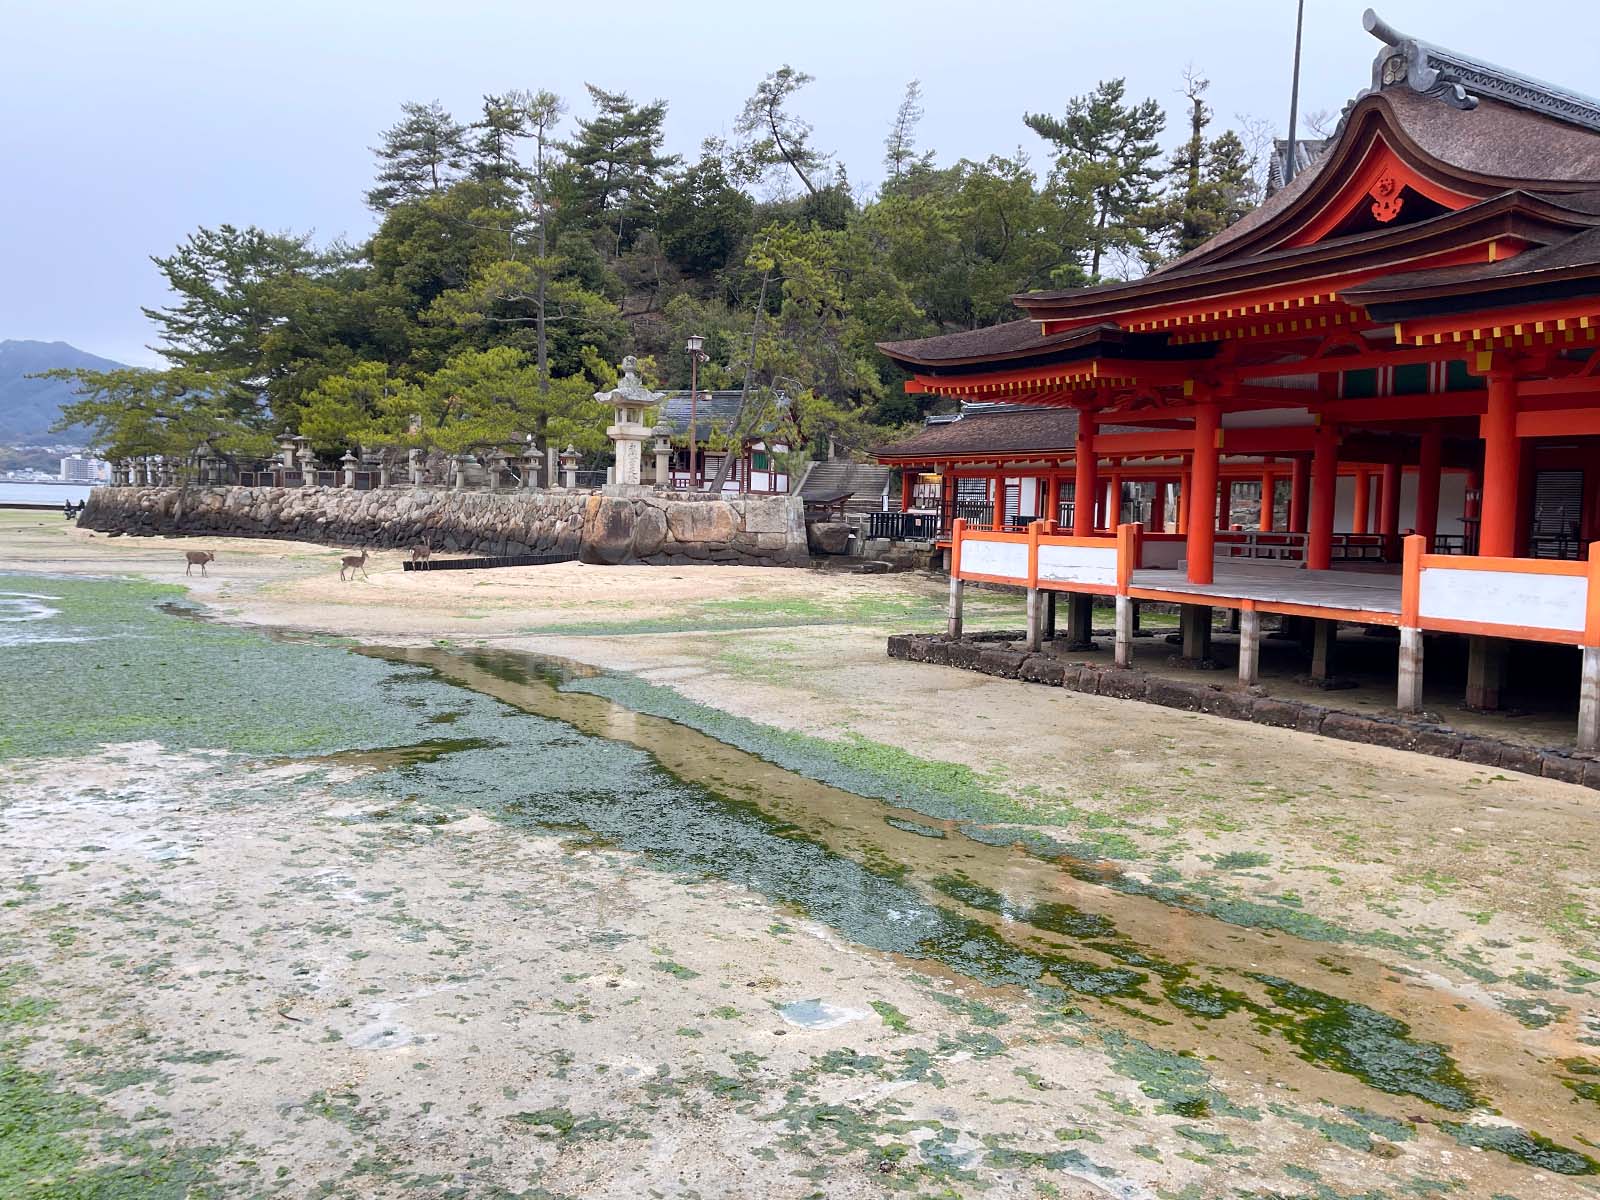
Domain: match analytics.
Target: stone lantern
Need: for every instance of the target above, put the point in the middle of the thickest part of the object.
(414, 466)
(531, 458)
(569, 467)
(286, 448)
(663, 448)
(383, 469)
(349, 460)
(497, 468)
(462, 461)
(629, 400)
(308, 462)
(202, 456)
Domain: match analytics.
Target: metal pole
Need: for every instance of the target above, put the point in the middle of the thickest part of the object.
(1294, 94)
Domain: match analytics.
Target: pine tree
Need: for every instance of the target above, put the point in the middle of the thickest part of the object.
(775, 137)
(1107, 151)
(1210, 183)
(494, 150)
(616, 160)
(900, 147)
(422, 154)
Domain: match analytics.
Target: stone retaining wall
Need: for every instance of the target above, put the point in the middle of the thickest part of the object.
(636, 527)
(991, 654)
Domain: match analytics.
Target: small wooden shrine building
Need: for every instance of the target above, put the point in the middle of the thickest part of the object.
(758, 464)
(1394, 357)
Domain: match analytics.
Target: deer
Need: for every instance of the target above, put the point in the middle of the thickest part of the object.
(200, 558)
(353, 563)
(423, 552)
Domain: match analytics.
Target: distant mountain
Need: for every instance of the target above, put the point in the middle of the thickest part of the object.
(28, 407)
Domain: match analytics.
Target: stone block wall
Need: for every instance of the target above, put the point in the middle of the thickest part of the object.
(638, 527)
(995, 654)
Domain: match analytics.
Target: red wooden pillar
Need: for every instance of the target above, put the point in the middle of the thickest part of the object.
(1428, 461)
(1084, 488)
(1224, 513)
(999, 486)
(1201, 546)
(1267, 486)
(1324, 490)
(1358, 520)
(1052, 499)
(1158, 507)
(1113, 502)
(1502, 469)
(1299, 494)
(1389, 501)
(1185, 497)
(907, 478)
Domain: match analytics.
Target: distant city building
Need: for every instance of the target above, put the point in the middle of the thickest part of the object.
(79, 468)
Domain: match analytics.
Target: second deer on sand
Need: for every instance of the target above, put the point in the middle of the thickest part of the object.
(197, 558)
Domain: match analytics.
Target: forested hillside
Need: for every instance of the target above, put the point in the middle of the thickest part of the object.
(518, 255)
(30, 406)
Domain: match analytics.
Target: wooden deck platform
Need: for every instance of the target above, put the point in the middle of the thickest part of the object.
(1350, 595)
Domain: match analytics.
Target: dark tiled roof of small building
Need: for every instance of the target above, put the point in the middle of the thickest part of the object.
(1012, 340)
(716, 413)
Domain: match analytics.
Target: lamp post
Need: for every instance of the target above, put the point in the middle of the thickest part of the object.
(696, 357)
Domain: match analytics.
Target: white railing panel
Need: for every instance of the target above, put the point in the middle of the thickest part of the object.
(1507, 598)
(1077, 564)
(1009, 560)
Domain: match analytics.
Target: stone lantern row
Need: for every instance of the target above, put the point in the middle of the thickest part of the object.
(295, 457)
(629, 401)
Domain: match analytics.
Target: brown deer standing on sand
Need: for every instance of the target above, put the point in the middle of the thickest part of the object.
(352, 563)
(198, 558)
(423, 552)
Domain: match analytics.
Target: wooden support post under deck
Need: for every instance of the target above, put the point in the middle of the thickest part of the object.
(1589, 701)
(1035, 619)
(1124, 644)
(1050, 616)
(1486, 672)
(1195, 622)
(1324, 650)
(1410, 692)
(1249, 648)
(953, 625)
(1080, 621)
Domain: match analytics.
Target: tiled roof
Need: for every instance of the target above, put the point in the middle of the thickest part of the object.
(1003, 432)
(716, 412)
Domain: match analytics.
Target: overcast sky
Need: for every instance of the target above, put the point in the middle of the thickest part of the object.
(126, 126)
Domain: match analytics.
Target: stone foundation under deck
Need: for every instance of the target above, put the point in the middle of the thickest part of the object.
(991, 654)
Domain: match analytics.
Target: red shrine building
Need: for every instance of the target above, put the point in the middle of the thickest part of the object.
(1374, 399)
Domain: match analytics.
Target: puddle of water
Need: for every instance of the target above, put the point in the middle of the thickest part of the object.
(819, 1014)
